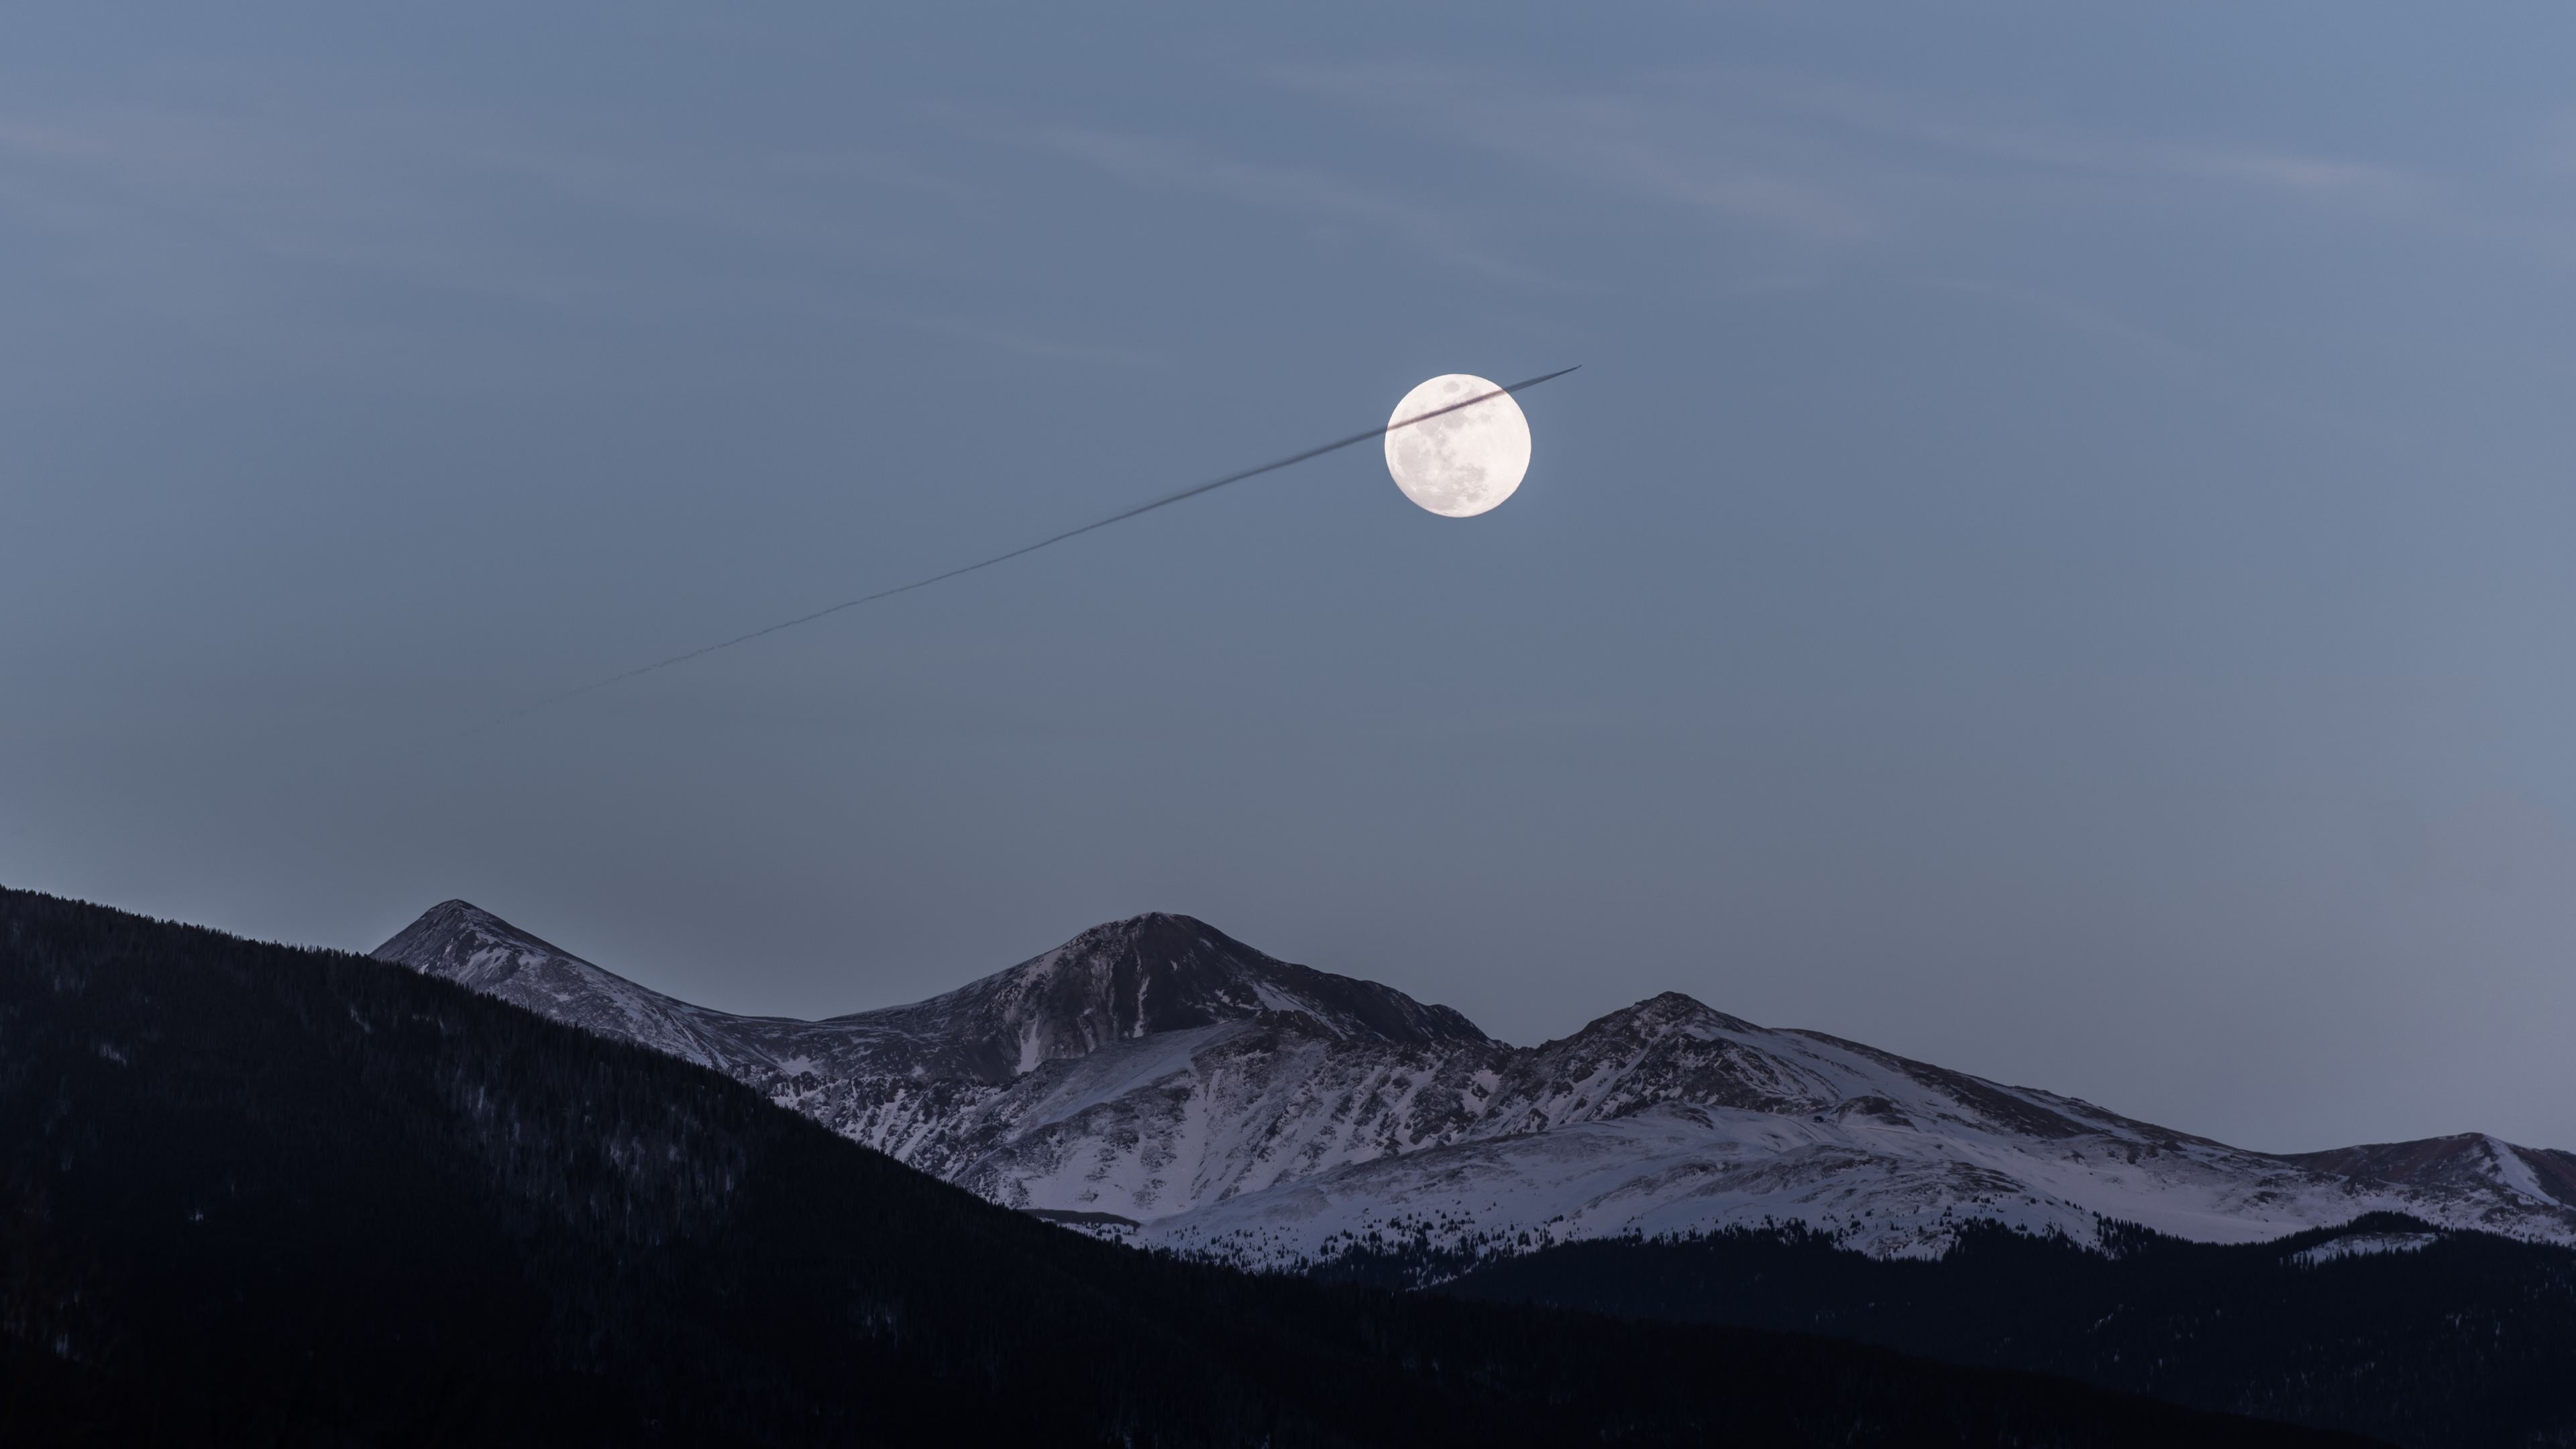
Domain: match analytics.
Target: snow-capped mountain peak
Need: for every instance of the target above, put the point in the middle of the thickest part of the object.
(2469, 1165)
(464, 943)
(469, 945)
(1151, 974)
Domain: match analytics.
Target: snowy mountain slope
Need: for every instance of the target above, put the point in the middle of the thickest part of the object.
(474, 948)
(1155, 1069)
(2462, 1165)
(1671, 1117)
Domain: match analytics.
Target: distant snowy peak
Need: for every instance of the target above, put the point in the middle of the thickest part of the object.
(1667, 1048)
(464, 943)
(1148, 975)
(1671, 1049)
(2471, 1164)
(461, 942)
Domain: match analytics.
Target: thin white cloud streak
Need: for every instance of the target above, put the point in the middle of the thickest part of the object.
(1730, 167)
(2055, 146)
(438, 201)
(2174, 358)
(208, 187)
(1026, 344)
(211, 213)
(1822, 163)
(1310, 196)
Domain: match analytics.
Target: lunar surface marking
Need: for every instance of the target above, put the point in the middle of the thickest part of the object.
(1458, 445)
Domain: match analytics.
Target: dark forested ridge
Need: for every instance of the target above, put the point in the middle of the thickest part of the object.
(2456, 1339)
(257, 1194)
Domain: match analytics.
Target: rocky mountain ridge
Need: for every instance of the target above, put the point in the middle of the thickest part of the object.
(1157, 1071)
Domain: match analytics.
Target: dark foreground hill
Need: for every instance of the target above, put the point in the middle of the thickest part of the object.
(2387, 1326)
(257, 1194)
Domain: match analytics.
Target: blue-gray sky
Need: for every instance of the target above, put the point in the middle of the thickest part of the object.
(2056, 562)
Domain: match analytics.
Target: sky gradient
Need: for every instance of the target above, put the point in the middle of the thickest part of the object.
(2055, 562)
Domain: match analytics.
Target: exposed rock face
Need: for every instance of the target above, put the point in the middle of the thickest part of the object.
(1155, 1069)
(2465, 1168)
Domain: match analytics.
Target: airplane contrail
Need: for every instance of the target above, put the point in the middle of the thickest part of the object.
(1165, 501)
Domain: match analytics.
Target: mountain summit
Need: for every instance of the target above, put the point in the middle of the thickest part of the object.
(461, 942)
(1158, 1071)
(1148, 975)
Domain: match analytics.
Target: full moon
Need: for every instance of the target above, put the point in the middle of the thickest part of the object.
(1463, 463)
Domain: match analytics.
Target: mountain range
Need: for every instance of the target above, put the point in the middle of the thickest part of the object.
(260, 1195)
(1155, 1080)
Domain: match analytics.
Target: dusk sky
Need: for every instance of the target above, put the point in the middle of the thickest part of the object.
(2056, 562)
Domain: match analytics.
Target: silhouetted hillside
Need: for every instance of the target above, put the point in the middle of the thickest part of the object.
(2385, 1327)
(257, 1194)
